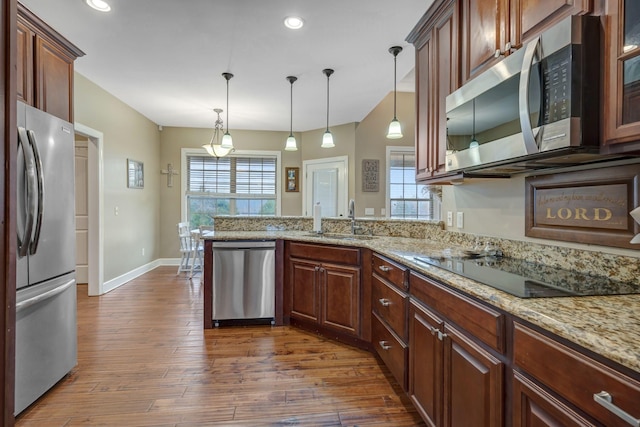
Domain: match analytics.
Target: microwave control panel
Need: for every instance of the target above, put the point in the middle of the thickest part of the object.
(556, 80)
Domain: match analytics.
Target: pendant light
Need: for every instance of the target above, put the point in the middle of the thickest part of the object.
(214, 148)
(327, 138)
(227, 141)
(395, 130)
(291, 140)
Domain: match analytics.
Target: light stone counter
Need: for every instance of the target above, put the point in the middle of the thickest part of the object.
(606, 325)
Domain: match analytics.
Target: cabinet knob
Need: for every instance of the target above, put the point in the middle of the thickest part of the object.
(384, 302)
(384, 268)
(498, 53)
(605, 399)
(441, 336)
(316, 268)
(384, 345)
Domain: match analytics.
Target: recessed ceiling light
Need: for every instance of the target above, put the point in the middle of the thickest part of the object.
(293, 22)
(100, 5)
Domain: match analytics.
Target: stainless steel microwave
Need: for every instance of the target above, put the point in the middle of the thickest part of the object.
(537, 108)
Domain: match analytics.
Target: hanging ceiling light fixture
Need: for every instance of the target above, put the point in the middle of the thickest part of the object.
(227, 141)
(214, 147)
(395, 130)
(327, 138)
(291, 140)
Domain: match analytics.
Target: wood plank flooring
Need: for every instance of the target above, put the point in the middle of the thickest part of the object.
(144, 359)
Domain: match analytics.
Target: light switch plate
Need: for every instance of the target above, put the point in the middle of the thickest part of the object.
(460, 220)
(449, 219)
(369, 211)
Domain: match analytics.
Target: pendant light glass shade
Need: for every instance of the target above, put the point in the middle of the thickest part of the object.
(291, 144)
(214, 147)
(327, 138)
(395, 129)
(227, 141)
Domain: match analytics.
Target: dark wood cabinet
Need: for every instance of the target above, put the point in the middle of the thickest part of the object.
(44, 66)
(437, 75)
(622, 77)
(575, 377)
(454, 379)
(324, 287)
(389, 302)
(492, 29)
(534, 407)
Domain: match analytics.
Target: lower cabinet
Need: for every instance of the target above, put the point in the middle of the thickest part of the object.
(453, 381)
(534, 407)
(323, 292)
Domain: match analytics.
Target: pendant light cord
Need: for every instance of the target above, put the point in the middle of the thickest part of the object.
(395, 66)
(291, 116)
(328, 101)
(227, 105)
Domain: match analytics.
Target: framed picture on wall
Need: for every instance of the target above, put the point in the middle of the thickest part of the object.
(135, 174)
(292, 179)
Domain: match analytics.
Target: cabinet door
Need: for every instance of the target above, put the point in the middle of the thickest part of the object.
(425, 363)
(484, 30)
(305, 291)
(473, 383)
(24, 63)
(54, 83)
(424, 130)
(622, 74)
(341, 298)
(534, 407)
(530, 17)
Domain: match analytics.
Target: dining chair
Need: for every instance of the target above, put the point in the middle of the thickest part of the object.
(186, 247)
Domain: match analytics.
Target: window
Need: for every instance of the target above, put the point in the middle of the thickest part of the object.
(238, 184)
(406, 198)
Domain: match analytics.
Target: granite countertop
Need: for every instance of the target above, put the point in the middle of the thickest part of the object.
(607, 325)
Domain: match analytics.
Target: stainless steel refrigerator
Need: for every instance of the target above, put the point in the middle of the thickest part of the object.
(46, 331)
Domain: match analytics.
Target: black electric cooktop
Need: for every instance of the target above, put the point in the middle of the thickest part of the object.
(529, 280)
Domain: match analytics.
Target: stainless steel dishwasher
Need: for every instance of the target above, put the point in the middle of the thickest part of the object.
(243, 280)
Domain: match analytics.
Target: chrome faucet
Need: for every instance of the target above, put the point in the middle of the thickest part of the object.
(352, 215)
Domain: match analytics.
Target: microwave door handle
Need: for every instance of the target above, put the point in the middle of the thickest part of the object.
(33, 247)
(530, 52)
(23, 143)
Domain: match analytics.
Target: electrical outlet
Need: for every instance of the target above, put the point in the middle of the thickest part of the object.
(116, 211)
(383, 212)
(142, 251)
(449, 219)
(460, 220)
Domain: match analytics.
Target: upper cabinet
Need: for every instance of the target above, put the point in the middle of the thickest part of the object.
(622, 76)
(437, 75)
(44, 66)
(492, 29)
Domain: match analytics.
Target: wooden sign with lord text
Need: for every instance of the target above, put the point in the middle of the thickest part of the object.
(590, 206)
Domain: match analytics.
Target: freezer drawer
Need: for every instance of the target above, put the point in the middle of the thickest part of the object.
(243, 280)
(46, 337)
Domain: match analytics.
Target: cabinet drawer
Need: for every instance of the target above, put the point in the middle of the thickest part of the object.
(322, 253)
(575, 376)
(480, 321)
(394, 273)
(392, 351)
(391, 305)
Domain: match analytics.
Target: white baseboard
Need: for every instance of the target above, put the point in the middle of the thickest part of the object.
(136, 272)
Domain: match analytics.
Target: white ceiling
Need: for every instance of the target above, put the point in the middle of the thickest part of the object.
(164, 58)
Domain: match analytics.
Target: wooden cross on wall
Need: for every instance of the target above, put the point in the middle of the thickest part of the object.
(170, 172)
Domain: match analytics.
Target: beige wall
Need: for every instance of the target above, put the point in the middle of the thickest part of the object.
(127, 134)
(372, 142)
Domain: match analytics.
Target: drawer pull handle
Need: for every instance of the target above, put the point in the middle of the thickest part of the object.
(384, 345)
(384, 302)
(384, 268)
(605, 399)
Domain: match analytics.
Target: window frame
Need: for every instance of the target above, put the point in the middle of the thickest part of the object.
(402, 149)
(185, 152)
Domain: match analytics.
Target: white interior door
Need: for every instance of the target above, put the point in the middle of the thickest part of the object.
(82, 211)
(326, 181)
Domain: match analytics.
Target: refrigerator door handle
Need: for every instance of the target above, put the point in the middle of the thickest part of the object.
(44, 296)
(23, 242)
(33, 247)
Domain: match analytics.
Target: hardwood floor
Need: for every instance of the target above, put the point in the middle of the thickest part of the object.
(144, 359)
